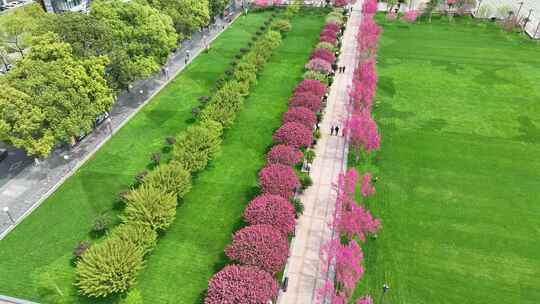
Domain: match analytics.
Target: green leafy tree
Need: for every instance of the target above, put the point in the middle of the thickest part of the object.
(109, 267)
(51, 97)
(142, 236)
(87, 35)
(142, 39)
(187, 15)
(18, 26)
(148, 205)
(217, 6)
(196, 146)
(171, 178)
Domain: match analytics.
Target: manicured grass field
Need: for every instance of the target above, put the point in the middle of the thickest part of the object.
(192, 250)
(459, 184)
(38, 252)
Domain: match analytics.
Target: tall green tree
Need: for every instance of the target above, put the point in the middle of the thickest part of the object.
(17, 28)
(142, 39)
(51, 97)
(217, 6)
(187, 15)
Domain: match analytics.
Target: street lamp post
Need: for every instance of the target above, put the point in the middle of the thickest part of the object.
(527, 19)
(66, 158)
(537, 28)
(519, 10)
(6, 210)
(385, 289)
(478, 8)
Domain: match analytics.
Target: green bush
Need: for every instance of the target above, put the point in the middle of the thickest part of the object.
(298, 206)
(281, 25)
(225, 104)
(198, 144)
(109, 267)
(316, 76)
(335, 17)
(141, 235)
(172, 178)
(150, 206)
(309, 155)
(306, 181)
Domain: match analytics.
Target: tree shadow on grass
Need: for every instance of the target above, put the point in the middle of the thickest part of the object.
(436, 124)
(450, 67)
(387, 86)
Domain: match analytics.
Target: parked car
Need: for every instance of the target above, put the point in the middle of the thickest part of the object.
(3, 154)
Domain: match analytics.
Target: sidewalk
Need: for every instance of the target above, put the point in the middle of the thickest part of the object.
(312, 230)
(23, 185)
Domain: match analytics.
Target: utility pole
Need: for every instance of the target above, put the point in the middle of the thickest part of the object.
(519, 10)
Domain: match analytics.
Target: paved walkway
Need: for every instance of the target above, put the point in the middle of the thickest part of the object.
(24, 185)
(303, 268)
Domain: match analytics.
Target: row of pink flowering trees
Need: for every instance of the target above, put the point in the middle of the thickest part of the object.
(342, 256)
(261, 249)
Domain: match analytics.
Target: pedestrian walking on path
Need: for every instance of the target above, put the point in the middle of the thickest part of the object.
(332, 131)
(337, 130)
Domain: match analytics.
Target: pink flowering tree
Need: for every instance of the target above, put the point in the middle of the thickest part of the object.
(319, 65)
(330, 39)
(368, 37)
(311, 86)
(278, 180)
(301, 115)
(332, 27)
(285, 155)
(261, 246)
(293, 134)
(369, 7)
(365, 300)
(271, 210)
(324, 54)
(262, 3)
(363, 134)
(356, 221)
(367, 75)
(340, 3)
(241, 284)
(410, 16)
(347, 260)
(367, 188)
(307, 100)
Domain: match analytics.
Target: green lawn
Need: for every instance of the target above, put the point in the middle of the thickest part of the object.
(43, 243)
(459, 166)
(192, 250)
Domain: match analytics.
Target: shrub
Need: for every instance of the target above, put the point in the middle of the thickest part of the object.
(225, 104)
(314, 75)
(109, 267)
(170, 140)
(278, 179)
(150, 206)
(410, 16)
(293, 134)
(271, 210)
(332, 27)
(155, 158)
(285, 155)
(328, 39)
(312, 86)
(241, 284)
(306, 99)
(171, 178)
(305, 181)
(324, 54)
(328, 32)
(139, 178)
(309, 155)
(142, 236)
(281, 25)
(319, 65)
(337, 19)
(300, 115)
(326, 46)
(261, 246)
(197, 145)
(298, 206)
(101, 224)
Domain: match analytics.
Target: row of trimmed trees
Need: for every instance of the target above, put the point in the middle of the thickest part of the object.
(342, 256)
(112, 265)
(261, 249)
(68, 67)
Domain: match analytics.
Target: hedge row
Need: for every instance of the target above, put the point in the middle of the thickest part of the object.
(271, 216)
(112, 265)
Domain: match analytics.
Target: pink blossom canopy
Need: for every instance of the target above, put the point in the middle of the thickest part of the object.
(261, 246)
(285, 155)
(307, 100)
(293, 134)
(278, 180)
(271, 210)
(241, 284)
(301, 115)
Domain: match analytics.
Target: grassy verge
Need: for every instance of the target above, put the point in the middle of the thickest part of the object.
(458, 188)
(192, 250)
(38, 252)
